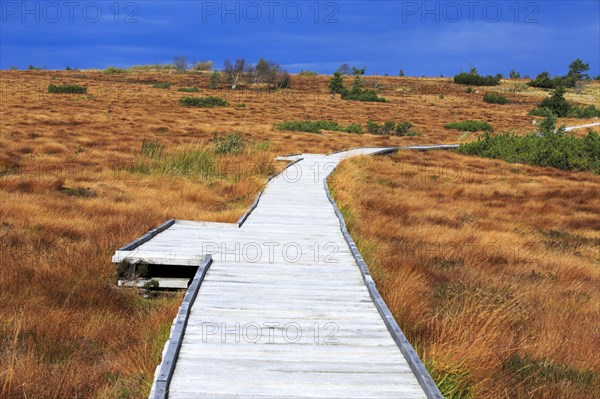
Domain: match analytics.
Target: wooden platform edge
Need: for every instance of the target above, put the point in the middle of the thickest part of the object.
(249, 211)
(418, 368)
(389, 150)
(171, 352)
(148, 236)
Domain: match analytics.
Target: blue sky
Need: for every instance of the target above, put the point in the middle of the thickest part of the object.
(422, 38)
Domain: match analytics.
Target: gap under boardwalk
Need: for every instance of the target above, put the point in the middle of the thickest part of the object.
(283, 311)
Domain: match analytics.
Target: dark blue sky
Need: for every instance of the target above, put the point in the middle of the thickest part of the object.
(423, 38)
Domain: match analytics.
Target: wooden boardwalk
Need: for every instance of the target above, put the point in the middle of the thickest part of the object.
(286, 308)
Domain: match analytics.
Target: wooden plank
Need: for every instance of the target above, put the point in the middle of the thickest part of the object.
(368, 355)
(169, 360)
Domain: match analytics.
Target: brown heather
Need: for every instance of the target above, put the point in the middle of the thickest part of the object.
(70, 195)
(491, 269)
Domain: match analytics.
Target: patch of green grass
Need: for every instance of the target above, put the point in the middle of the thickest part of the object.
(470, 126)
(232, 143)
(152, 149)
(453, 381)
(317, 126)
(69, 89)
(240, 105)
(189, 162)
(495, 98)
(203, 102)
(163, 85)
(189, 89)
(542, 371)
(264, 145)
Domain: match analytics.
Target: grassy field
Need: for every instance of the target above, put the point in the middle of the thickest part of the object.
(83, 173)
(491, 269)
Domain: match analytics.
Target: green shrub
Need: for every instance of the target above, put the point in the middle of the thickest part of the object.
(307, 73)
(189, 89)
(204, 102)
(469, 126)
(495, 98)
(240, 105)
(475, 79)
(357, 93)
(336, 85)
(317, 126)
(550, 148)
(580, 112)
(362, 95)
(71, 89)
(391, 128)
(541, 112)
(232, 143)
(163, 85)
(111, 70)
(557, 105)
(469, 90)
(215, 78)
(354, 128)
(543, 81)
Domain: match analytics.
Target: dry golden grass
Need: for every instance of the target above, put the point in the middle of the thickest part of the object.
(70, 198)
(491, 269)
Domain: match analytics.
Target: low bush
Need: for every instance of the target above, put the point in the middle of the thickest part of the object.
(362, 95)
(470, 126)
(203, 102)
(578, 111)
(71, 89)
(307, 73)
(189, 89)
(557, 105)
(163, 85)
(475, 79)
(495, 98)
(391, 128)
(317, 126)
(354, 128)
(551, 148)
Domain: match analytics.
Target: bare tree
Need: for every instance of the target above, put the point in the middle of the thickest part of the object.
(344, 69)
(234, 73)
(180, 62)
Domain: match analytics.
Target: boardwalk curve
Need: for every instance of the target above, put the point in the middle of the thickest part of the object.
(287, 308)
